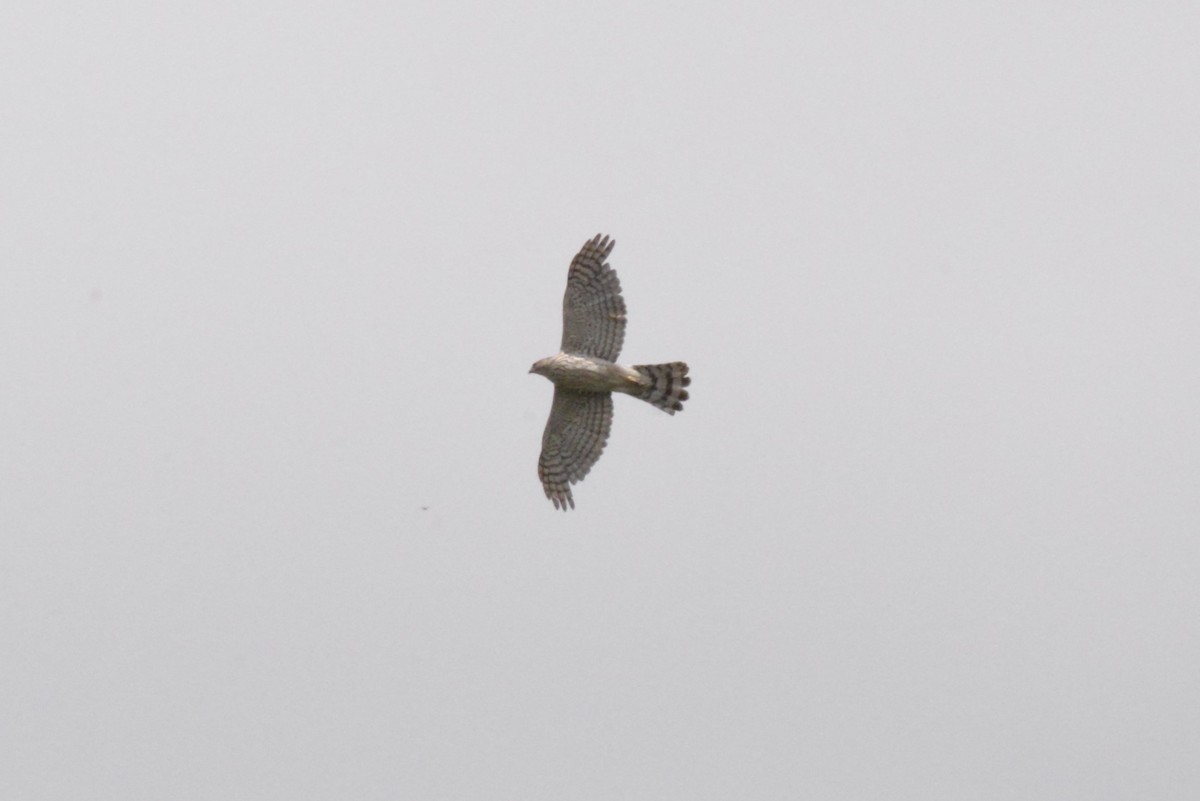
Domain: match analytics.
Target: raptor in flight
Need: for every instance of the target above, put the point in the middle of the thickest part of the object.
(585, 374)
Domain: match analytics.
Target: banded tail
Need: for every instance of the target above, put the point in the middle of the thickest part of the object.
(663, 385)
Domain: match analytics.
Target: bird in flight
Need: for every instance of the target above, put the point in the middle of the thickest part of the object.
(585, 374)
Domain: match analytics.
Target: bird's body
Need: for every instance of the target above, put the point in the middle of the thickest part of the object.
(585, 374)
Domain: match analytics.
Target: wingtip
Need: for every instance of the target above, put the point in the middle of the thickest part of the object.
(602, 242)
(561, 499)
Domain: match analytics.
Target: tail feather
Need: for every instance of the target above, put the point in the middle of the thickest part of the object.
(663, 385)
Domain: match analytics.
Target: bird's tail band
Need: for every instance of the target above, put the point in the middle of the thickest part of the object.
(663, 385)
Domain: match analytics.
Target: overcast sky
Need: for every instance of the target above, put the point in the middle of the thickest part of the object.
(271, 279)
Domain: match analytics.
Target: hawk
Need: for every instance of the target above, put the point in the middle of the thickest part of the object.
(585, 374)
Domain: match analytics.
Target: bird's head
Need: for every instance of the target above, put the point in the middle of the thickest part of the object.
(541, 367)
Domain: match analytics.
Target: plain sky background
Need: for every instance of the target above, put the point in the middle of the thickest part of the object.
(271, 279)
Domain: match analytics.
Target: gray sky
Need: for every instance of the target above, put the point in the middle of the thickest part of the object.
(272, 277)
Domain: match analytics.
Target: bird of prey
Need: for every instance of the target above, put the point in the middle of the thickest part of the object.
(585, 374)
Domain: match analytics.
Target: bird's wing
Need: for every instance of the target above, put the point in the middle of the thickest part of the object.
(574, 439)
(593, 309)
